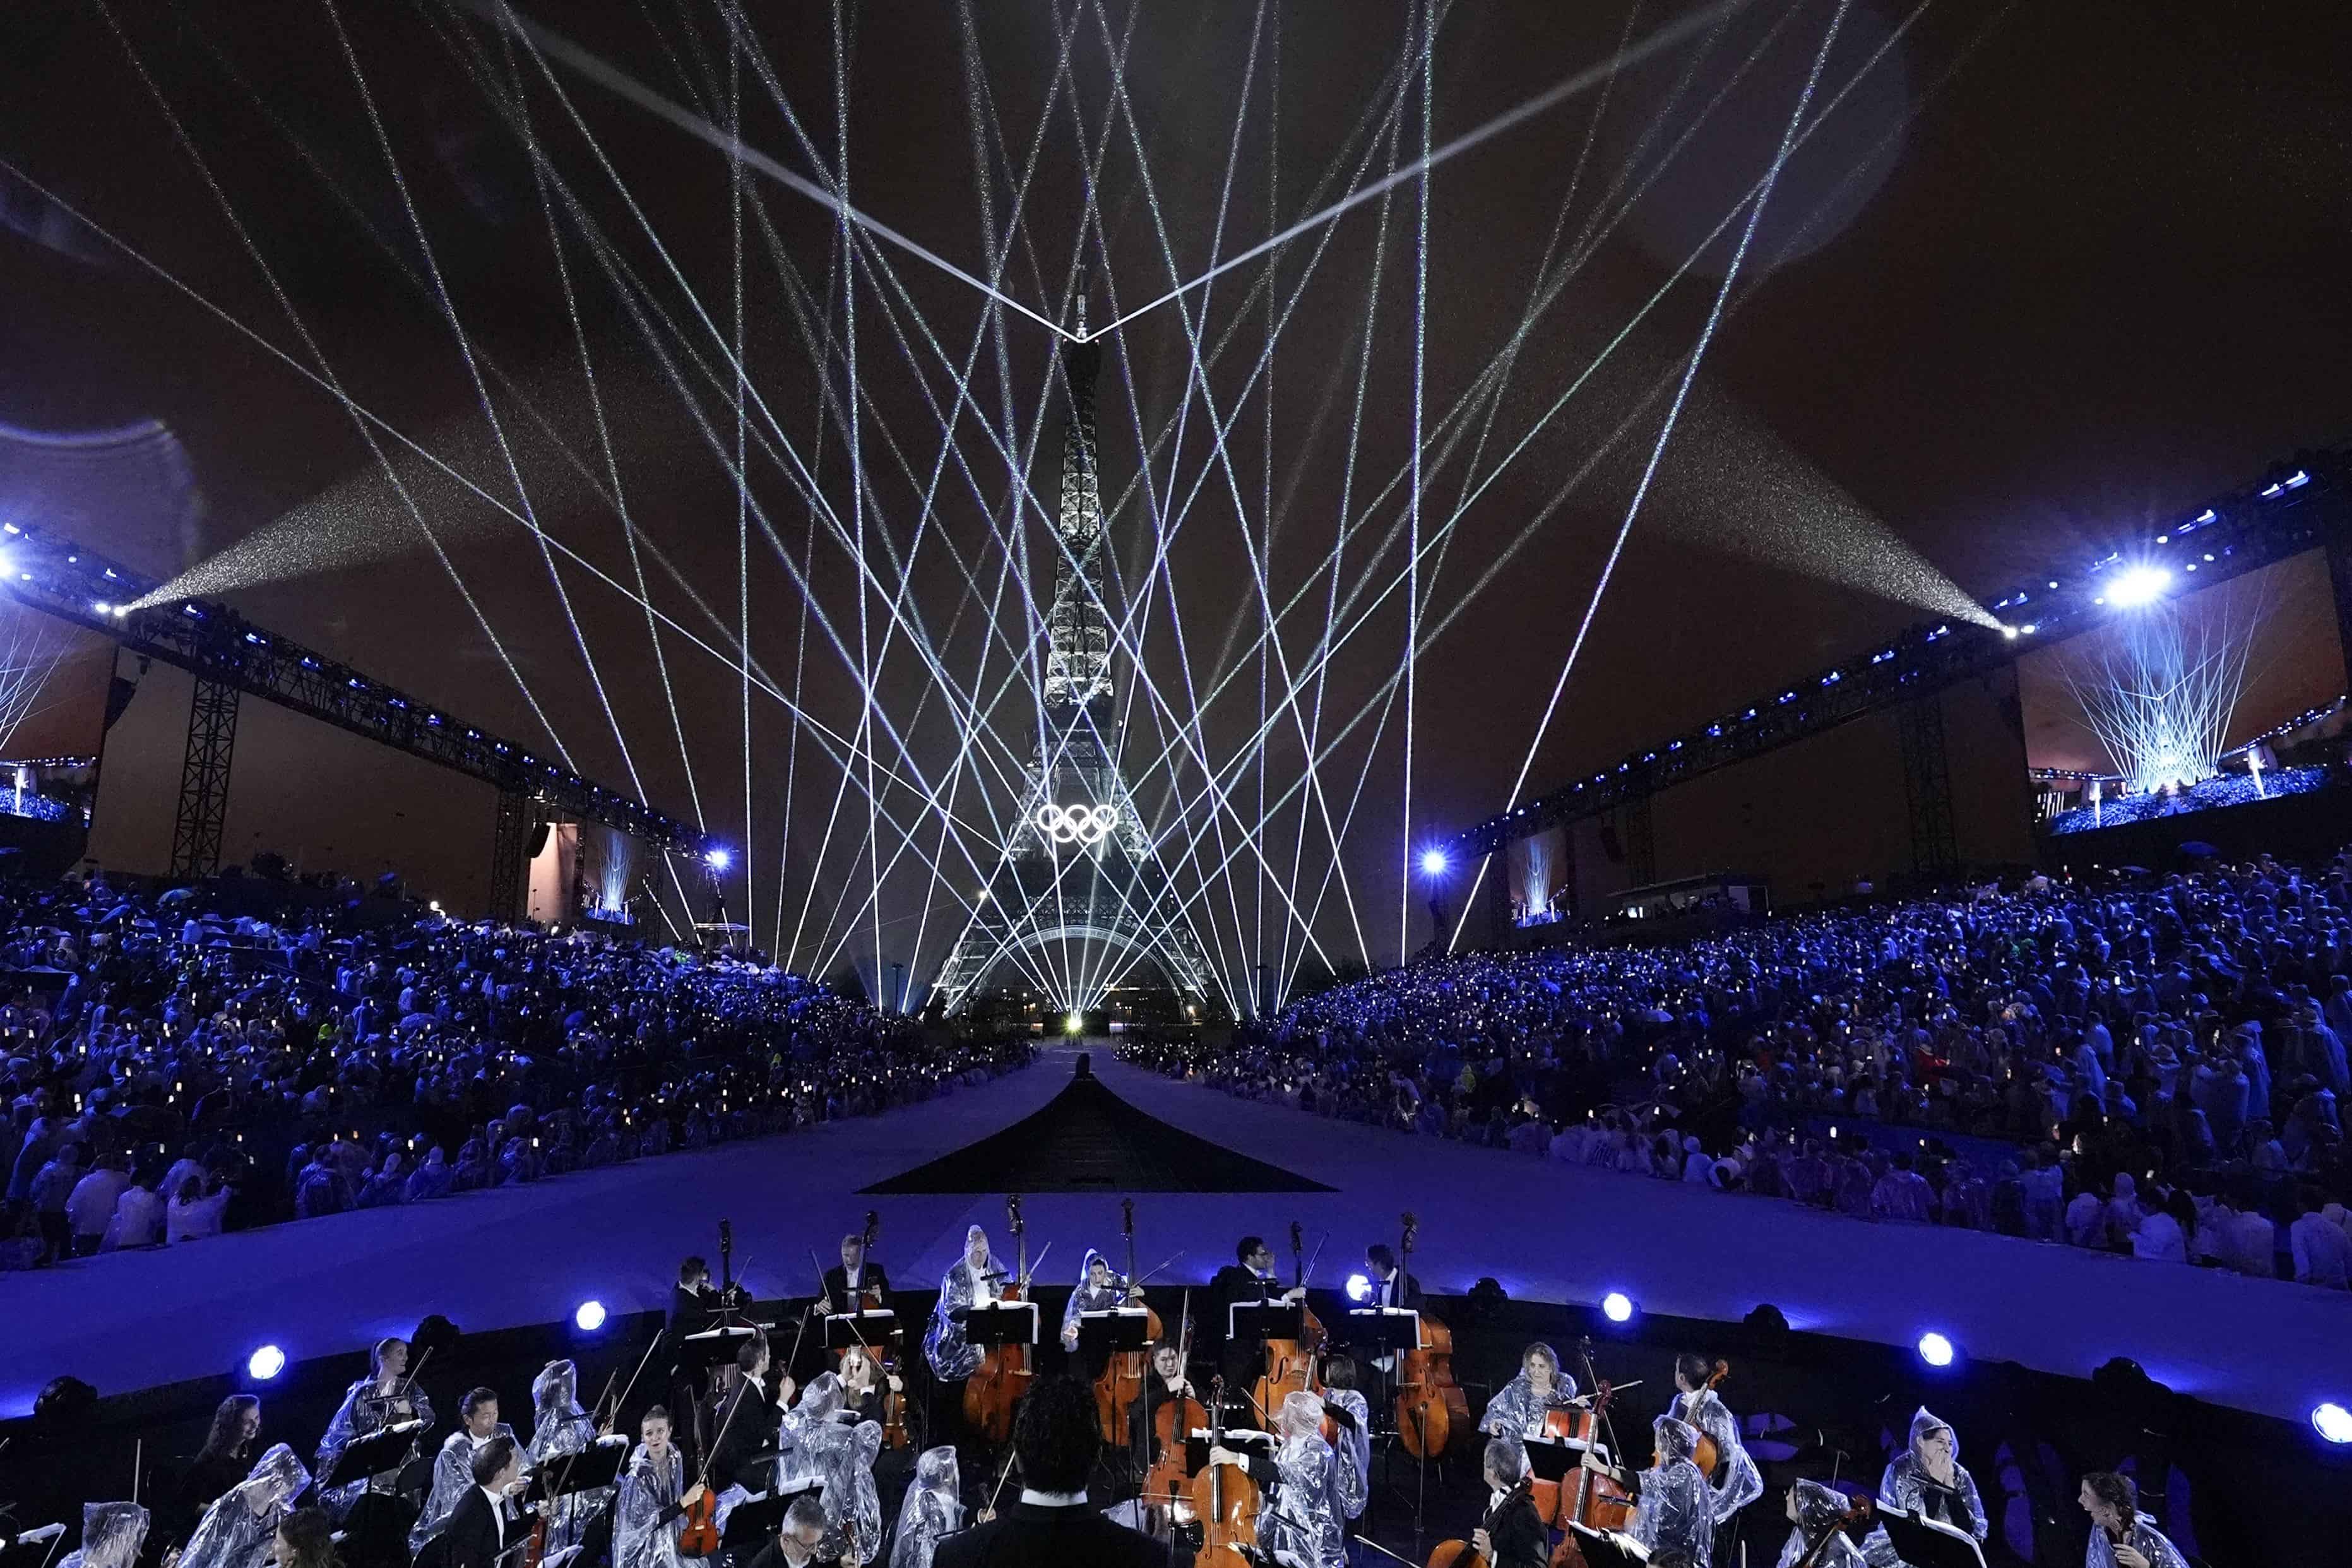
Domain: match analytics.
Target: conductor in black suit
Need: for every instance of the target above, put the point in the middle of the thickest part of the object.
(483, 1526)
(1055, 1437)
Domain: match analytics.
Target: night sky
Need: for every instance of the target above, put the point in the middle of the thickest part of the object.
(2046, 275)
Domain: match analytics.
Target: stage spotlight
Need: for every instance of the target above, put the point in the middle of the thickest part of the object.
(1617, 1307)
(1432, 862)
(2009, 632)
(1360, 1289)
(717, 858)
(1075, 1024)
(589, 1317)
(2137, 585)
(1934, 1349)
(2332, 1421)
(264, 1363)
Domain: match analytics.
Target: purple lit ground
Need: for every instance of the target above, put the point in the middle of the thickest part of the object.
(1546, 1232)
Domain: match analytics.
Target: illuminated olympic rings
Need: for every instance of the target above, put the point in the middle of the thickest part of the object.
(1075, 824)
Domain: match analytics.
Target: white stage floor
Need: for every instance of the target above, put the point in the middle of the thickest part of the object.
(1546, 1232)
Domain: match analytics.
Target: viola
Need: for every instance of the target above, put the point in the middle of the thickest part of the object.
(1121, 1383)
(1429, 1402)
(1291, 1363)
(1460, 1553)
(1224, 1499)
(1002, 1377)
(1707, 1456)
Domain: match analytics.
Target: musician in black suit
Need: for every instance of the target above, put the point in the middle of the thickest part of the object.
(856, 1275)
(1249, 1278)
(483, 1525)
(1391, 1287)
(748, 1426)
(1057, 1438)
(1511, 1534)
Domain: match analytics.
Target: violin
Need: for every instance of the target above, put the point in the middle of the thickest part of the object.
(1002, 1377)
(1224, 1499)
(1121, 1383)
(1429, 1402)
(698, 1536)
(1291, 1363)
(1857, 1513)
(1707, 1456)
(1460, 1553)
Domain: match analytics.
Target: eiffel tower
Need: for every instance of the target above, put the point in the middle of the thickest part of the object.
(1077, 880)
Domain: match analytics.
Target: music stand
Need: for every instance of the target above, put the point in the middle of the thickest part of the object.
(1113, 1329)
(1240, 1439)
(1607, 1548)
(1930, 1543)
(868, 1327)
(713, 1347)
(758, 1520)
(597, 1465)
(385, 1448)
(998, 1323)
(16, 1552)
(1255, 1323)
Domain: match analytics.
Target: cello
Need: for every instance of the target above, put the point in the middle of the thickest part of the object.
(883, 1354)
(1596, 1499)
(1460, 1553)
(1123, 1374)
(1291, 1363)
(1708, 1456)
(1172, 1425)
(1002, 1377)
(1428, 1400)
(1224, 1499)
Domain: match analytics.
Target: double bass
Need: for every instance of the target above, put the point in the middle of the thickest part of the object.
(1121, 1383)
(1291, 1363)
(1002, 1377)
(1429, 1402)
(1224, 1499)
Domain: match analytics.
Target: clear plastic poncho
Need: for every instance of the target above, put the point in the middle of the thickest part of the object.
(2145, 1538)
(954, 1358)
(1355, 1449)
(1677, 1512)
(825, 1443)
(1742, 1482)
(559, 1428)
(1307, 1515)
(361, 1412)
(237, 1530)
(649, 1488)
(1908, 1486)
(452, 1472)
(1819, 1509)
(1515, 1411)
(933, 1507)
(111, 1534)
(1085, 1298)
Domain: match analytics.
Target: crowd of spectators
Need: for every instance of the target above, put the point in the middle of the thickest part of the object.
(170, 1072)
(2151, 1065)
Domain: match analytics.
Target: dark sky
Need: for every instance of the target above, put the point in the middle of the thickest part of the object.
(2046, 275)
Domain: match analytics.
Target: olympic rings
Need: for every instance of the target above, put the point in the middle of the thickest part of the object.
(1075, 824)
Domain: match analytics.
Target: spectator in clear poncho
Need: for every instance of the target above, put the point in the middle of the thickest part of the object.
(237, 1530)
(111, 1534)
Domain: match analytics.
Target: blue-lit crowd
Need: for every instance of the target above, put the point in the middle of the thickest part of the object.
(170, 1072)
(2153, 1065)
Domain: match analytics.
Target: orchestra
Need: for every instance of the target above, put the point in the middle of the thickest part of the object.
(1239, 1448)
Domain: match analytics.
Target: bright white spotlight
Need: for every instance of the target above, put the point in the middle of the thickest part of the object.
(589, 1317)
(1617, 1307)
(1934, 1349)
(1360, 1287)
(2009, 632)
(2137, 585)
(1075, 1024)
(1432, 862)
(718, 859)
(268, 1362)
(2332, 1421)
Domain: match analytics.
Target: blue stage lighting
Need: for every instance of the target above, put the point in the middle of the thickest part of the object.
(264, 1363)
(718, 859)
(1617, 1307)
(1360, 1287)
(2332, 1421)
(1934, 1349)
(2137, 585)
(1432, 862)
(589, 1317)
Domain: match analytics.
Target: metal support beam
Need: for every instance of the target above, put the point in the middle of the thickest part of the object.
(1928, 788)
(1641, 842)
(506, 858)
(204, 781)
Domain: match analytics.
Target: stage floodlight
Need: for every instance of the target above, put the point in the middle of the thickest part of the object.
(2332, 1421)
(1936, 1350)
(1432, 862)
(1360, 1287)
(2137, 585)
(264, 1363)
(589, 1317)
(717, 858)
(1075, 1024)
(1617, 1307)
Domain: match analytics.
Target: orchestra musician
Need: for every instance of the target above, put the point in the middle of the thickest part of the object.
(856, 1278)
(1818, 1513)
(1391, 1285)
(1511, 1533)
(1677, 1507)
(1097, 1291)
(1351, 1423)
(1928, 1479)
(2121, 1536)
(1302, 1519)
(974, 1282)
(1737, 1482)
(111, 1535)
(1519, 1406)
(825, 1443)
(383, 1398)
(1163, 1384)
(1250, 1277)
(453, 1466)
(654, 1497)
(743, 1461)
(487, 1521)
(237, 1530)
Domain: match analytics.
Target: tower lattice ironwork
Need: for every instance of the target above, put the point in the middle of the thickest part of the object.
(1076, 889)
